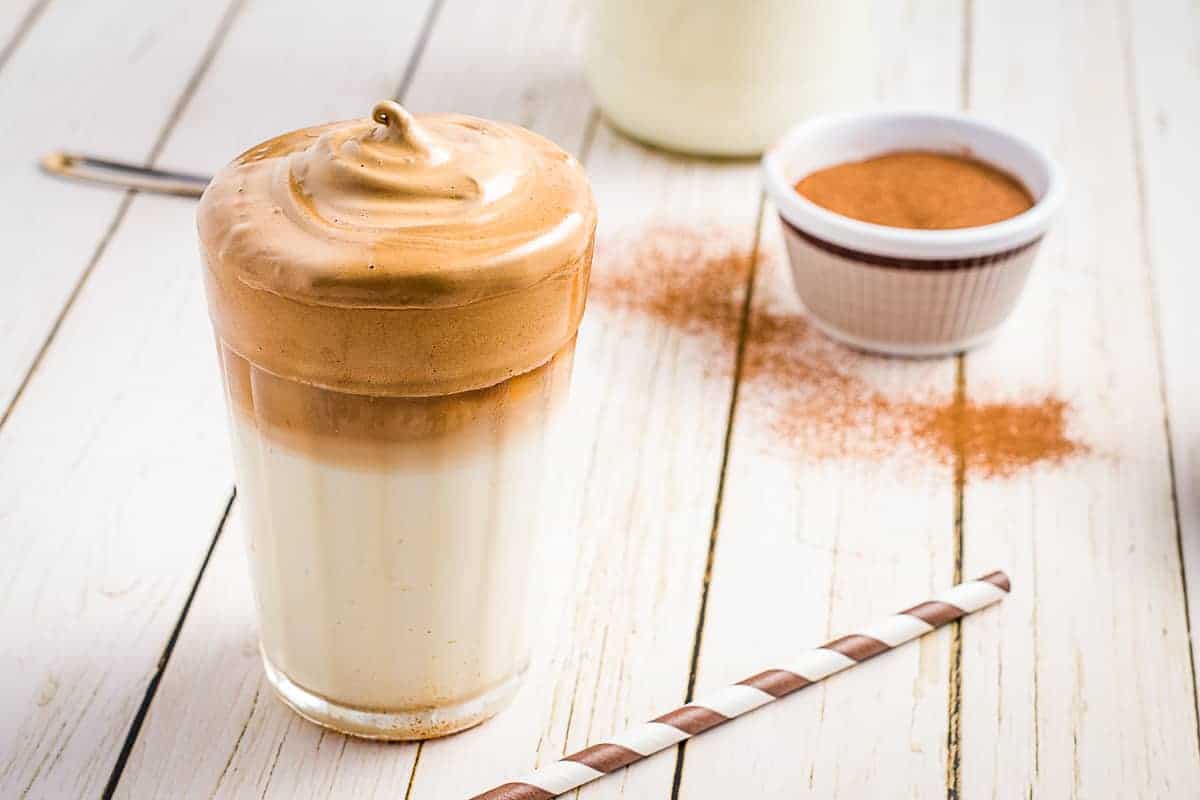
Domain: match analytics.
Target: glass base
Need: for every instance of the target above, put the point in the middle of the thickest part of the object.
(426, 723)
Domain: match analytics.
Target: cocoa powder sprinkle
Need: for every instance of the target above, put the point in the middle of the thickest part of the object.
(691, 280)
(815, 394)
(997, 439)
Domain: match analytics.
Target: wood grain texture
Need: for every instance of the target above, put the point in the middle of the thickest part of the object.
(116, 462)
(116, 474)
(101, 77)
(1165, 82)
(1082, 688)
(810, 547)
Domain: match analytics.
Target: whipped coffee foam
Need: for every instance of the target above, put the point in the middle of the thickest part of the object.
(401, 255)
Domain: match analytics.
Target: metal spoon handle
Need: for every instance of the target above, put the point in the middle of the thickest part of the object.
(131, 176)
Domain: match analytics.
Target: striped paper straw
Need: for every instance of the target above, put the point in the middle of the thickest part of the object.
(723, 705)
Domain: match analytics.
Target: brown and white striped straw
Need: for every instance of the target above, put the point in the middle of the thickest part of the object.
(723, 705)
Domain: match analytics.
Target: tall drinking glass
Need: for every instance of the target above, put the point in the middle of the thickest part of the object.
(395, 301)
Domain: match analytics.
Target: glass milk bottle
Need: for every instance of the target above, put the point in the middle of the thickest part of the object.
(726, 77)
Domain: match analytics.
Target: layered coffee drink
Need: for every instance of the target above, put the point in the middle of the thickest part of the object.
(395, 301)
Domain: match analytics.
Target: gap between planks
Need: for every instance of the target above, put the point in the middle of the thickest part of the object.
(954, 699)
(743, 330)
(135, 727)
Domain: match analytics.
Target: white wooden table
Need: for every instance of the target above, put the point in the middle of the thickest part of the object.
(685, 554)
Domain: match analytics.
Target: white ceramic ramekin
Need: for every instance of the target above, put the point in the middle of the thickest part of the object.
(896, 290)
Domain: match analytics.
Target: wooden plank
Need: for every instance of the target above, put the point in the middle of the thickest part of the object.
(1081, 687)
(124, 416)
(115, 476)
(98, 77)
(514, 61)
(518, 61)
(1164, 42)
(106, 77)
(640, 469)
(815, 540)
(646, 412)
(257, 87)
